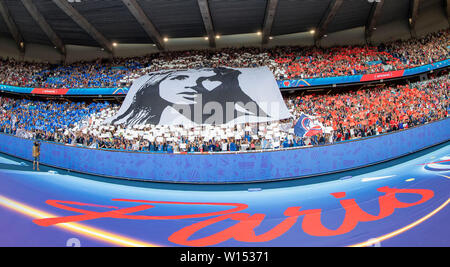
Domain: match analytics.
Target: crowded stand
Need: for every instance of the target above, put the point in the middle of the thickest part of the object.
(19, 73)
(341, 117)
(285, 62)
(82, 76)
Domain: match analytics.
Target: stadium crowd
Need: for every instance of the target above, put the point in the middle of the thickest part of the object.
(285, 62)
(343, 116)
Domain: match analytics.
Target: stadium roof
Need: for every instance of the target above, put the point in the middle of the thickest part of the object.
(103, 22)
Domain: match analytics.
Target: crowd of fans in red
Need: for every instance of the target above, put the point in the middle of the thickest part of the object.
(285, 62)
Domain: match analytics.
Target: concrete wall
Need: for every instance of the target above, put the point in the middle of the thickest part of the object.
(301, 39)
(8, 48)
(396, 30)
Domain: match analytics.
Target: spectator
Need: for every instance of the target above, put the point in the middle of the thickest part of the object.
(36, 154)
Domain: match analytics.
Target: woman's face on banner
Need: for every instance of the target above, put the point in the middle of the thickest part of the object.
(181, 87)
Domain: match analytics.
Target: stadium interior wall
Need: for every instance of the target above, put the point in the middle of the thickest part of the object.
(430, 20)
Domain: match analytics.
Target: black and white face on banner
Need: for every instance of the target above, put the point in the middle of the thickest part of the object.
(203, 96)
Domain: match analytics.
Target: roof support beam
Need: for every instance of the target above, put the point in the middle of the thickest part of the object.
(413, 13)
(207, 21)
(326, 19)
(136, 10)
(40, 20)
(372, 21)
(271, 9)
(65, 6)
(13, 29)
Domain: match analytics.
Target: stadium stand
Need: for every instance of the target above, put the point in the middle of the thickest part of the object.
(342, 116)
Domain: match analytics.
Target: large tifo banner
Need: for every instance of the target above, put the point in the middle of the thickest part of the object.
(203, 96)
